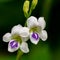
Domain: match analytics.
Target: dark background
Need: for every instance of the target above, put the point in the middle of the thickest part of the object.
(11, 13)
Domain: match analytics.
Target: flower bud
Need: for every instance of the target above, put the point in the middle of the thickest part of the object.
(34, 3)
(26, 6)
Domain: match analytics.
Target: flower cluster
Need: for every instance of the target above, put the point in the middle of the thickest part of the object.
(19, 35)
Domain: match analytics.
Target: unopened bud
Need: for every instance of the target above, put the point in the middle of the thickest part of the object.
(26, 6)
(34, 3)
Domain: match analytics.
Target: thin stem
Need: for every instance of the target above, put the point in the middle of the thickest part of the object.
(28, 16)
(30, 12)
(19, 54)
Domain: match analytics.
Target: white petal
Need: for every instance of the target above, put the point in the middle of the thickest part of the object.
(43, 35)
(34, 41)
(12, 49)
(24, 47)
(16, 29)
(24, 33)
(25, 38)
(42, 22)
(32, 21)
(7, 37)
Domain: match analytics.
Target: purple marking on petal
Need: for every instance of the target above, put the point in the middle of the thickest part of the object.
(14, 44)
(35, 36)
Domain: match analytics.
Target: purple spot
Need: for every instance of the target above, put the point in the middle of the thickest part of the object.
(13, 44)
(35, 36)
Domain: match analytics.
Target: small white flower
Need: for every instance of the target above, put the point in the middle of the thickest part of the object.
(17, 39)
(36, 29)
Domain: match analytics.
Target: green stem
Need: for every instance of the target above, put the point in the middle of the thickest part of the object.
(25, 24)
(28, 16)
(19, 54)
(30, 12)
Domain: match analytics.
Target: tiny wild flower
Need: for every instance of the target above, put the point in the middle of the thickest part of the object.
(36, 29)
(17, 39)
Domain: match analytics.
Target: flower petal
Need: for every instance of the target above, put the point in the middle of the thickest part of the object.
(42, 22)
(32, 21)
(34, 38)
(24, 33)
(43, 35)
(24, 47)
(16, 29)
(7, 37)
(11, 48)
(25, 38)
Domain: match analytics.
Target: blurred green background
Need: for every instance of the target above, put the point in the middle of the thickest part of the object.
(11, 13)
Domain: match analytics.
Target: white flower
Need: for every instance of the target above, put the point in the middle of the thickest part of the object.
(17, 39)
(36, 29)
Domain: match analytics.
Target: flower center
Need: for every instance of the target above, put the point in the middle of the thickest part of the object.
(35, 29)
(16, 38)
(35, 36)
(13, 44)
